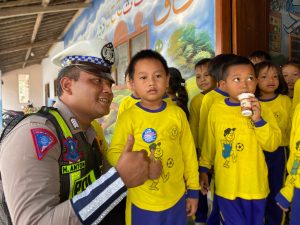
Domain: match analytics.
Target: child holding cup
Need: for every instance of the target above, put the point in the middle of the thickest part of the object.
(234, 146)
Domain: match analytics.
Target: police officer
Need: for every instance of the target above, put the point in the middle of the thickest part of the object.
(51, 166)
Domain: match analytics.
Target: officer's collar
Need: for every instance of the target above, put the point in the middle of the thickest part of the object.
(72, 122)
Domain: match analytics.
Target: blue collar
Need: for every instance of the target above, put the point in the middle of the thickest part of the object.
(268, 100)
(221, 92)
(161, 108)
(229, 103)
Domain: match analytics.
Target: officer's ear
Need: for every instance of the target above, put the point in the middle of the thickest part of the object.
(66, 85)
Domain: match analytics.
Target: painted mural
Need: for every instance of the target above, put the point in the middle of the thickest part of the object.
(284, 29)
(183, 31)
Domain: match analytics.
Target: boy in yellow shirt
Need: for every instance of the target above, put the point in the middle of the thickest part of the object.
(234, 145)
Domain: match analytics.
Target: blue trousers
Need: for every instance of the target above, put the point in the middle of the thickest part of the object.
(241, 211)
(176, 215)
(295, 208)
(276, 162)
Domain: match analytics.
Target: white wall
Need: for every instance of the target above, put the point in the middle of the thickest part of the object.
(10, 92)
(50, 71)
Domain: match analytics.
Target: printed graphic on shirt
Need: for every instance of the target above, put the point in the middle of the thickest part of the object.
(158, 153)
(149, 135)
(173, 132)
(43, 140)
(229, 150)
(71, 150)
(277, 115)
(296, 164)
(250, 124)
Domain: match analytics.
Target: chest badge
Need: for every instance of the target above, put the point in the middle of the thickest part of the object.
(71, 153)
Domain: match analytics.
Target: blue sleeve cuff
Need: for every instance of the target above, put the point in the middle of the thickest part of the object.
(99, 198)
(282, 201)
(192, 194)
(203, 169)
(260, 123)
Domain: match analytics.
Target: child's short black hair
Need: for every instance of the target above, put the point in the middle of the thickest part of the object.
(293, 62)
(145, 54)
(235, 61)
(202, 62)
(282, 88)
(260, 54)
(216, 63)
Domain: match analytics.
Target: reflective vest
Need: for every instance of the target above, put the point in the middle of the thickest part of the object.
(80, 163)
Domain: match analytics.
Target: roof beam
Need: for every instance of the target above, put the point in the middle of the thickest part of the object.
(26, 46)
(37, 25)
(30, 10)
(18, 3)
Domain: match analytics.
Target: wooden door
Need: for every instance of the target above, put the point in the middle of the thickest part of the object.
(242, 26)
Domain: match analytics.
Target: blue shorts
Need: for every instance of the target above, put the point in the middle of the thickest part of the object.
(241, 211)
(176, 215)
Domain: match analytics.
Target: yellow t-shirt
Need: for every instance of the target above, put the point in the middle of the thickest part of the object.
(126, 103)
(281, 106)
(296, 98)
(166, 132)
(195, 116)
(208, 100)
(234, 145)
(293, 164)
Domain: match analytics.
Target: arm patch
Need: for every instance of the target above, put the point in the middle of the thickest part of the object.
(43, 140)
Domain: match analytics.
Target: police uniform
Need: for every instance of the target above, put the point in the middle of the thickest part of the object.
(50, 178)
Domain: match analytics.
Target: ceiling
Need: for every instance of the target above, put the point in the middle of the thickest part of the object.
(28, 29)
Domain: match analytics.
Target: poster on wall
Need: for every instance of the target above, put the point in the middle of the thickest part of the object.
(275, 31)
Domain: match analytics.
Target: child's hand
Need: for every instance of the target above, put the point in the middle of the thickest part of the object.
(191, 206)
(204, 183)
(282, 208)
(155, 167)
(256, 109)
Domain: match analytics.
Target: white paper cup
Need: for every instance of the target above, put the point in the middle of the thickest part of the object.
(246, 106)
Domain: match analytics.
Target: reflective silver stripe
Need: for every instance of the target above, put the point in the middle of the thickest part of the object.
(107, 193)
(94, 185)
(116, 202)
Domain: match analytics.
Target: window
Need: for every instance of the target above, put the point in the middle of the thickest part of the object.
(123, 62)
(126, 51)
(23, 81)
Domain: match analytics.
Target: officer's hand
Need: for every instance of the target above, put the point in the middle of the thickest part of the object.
(133, 167)
(155, 167)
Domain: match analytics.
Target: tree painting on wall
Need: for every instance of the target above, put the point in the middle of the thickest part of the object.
(187, 47)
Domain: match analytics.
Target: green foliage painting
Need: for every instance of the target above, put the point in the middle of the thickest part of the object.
(187, 46)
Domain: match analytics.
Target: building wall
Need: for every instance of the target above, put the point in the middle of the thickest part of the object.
(50, 71)
(183, 31)
(10, 92)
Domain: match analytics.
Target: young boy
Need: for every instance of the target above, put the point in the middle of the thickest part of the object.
(259, 56)
(218, 93)
(163, 131)
(290, 193)
(234, 145)
(205, 83)
(291, 73)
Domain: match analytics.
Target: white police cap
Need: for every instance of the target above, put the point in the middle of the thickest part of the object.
(95, 51)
